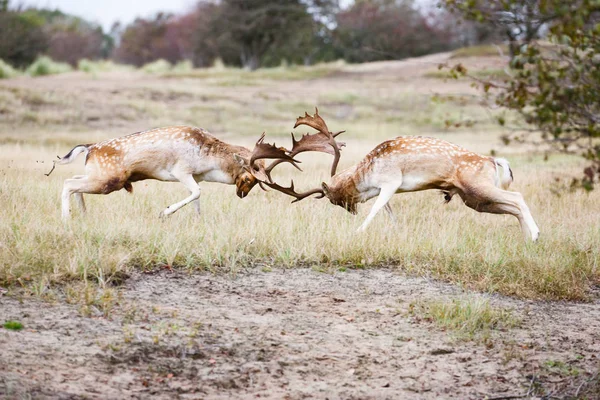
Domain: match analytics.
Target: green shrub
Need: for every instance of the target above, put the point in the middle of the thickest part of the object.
(157, 67)
(93, 67)
(13, 325)
(183, 66)
(46, 66)
(6, 71)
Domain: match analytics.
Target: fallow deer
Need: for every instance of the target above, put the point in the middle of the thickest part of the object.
(177, 153)
(414, 163)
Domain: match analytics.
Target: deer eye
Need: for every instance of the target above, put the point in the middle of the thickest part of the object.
(247, 180)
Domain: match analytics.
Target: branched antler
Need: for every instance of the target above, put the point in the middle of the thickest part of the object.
(291, 192)
(324, 136)
(322, 141)
(266, 150)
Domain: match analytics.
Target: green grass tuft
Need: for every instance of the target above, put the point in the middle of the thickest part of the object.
(13, 325)
(46, 66)
(94, 67)
(467, 317)
(183, 66)
(157, 67)
(7, 71)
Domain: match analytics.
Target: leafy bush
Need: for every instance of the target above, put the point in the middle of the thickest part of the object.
(46, 66)
(6, 71)
(183, 66)
(21, 37)
(94, 67)
(157, 67)
(554, 84)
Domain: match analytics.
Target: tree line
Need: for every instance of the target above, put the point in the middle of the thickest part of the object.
(250, 34)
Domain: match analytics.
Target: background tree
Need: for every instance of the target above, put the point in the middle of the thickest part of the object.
(21, 36)
(72, 38)
(520, 21)
(145, 40)
(555, 85)
(252, 29)
(388, 30)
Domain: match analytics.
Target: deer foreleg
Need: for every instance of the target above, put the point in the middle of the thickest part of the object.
(385, 195)
(190, 183)
(390, 212)
(197, 206)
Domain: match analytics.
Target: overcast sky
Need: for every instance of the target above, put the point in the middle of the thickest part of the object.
(105, 12)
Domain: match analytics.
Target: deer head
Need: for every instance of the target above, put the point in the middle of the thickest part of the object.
(323, 141)
(253, 169)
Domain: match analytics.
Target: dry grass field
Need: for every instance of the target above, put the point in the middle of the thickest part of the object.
(262, 298)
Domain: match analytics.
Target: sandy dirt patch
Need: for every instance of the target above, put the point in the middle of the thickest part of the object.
(289, 334)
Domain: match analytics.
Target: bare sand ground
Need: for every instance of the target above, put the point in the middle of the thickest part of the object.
(291, 334)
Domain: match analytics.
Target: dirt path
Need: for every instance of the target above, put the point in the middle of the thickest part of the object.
(288, 334)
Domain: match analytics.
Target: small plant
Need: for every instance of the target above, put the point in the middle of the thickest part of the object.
(157, 67)
(7, 71)
(561, 368)
(94, 67)
(13, 325)
(46, 66)
(469, 318)
(128, 334)
(183, 66)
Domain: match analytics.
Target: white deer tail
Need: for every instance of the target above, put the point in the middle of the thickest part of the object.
(70, 156)
(506, 178)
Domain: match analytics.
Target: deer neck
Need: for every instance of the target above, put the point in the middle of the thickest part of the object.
(225, 168)
(344, 186)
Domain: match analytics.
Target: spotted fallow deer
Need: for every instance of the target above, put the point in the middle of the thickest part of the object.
(177, 153)
(414, 163)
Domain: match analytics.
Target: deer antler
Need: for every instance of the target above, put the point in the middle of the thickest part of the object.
(291, 192)
(266, 150)
(323, 141)
(326, 138)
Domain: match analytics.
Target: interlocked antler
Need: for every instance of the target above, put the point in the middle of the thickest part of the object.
(265, 150)
(323, 141)
(291, 192)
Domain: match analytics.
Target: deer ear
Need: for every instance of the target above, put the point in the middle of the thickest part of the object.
(325, 188)
(240, 160)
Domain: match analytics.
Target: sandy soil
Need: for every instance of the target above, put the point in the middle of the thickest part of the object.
(290, 334)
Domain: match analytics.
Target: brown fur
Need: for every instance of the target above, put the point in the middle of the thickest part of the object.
(175, 153)
(414, 163)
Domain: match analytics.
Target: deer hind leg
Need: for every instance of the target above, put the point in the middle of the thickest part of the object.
(390, 212)
(190, 183)
(386, 193)
(80, 202)
(79, 196)
(497, 201)
(78, 185)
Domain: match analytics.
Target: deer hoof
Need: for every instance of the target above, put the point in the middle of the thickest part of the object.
(163, 214)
